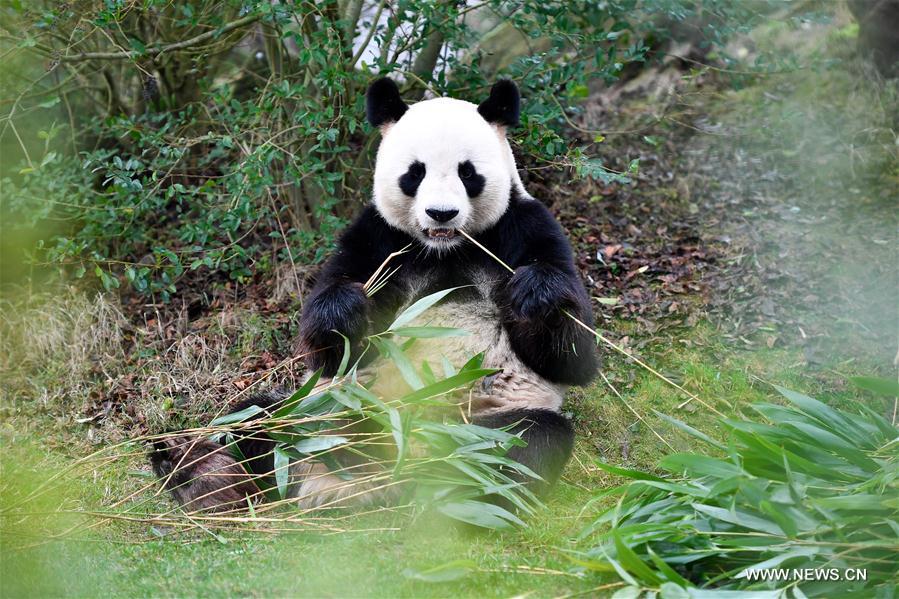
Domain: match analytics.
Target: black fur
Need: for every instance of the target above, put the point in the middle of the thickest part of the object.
(257, 447)
(503, 107)
(412, 178)
(549, 436)
(383, 103)
(471, 179)
(532, 301)
(201, 474)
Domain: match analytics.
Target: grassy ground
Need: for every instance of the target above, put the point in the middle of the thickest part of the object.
(376, 554)
(68, 385)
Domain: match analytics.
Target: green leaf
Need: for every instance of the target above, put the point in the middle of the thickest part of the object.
(479, 513)
(666, 570)
(345, 360)
(448, 369)
(740, 518)
(579, 91)
(832, 418)
(320, 443)
(298, 395)
(401, 361)
(859, 502)
(50, 103)
(689, 430)
(282, 471)
(416, 309)
(399, 428)
(635, 474)
(473, 363)
(670, 590)
(447, 572)
(448, 384)
(239, 416)
(632, 562)
(345, 398)
(699, 465)
(429, 332)
(877, 385)
(427, 375)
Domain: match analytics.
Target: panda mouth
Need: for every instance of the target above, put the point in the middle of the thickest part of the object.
(441, 233)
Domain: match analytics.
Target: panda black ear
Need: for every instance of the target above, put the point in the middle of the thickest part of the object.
(503, 105)
(383, 103)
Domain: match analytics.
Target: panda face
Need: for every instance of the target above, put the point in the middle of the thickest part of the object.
(441, 166)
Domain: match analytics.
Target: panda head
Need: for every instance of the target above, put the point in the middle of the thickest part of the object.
(443, 164)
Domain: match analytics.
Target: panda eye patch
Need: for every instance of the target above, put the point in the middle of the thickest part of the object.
(473, 182)
(417, 170)
(411, 179)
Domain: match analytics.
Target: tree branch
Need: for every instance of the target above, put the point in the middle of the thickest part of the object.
(369, 35)
(157, 50)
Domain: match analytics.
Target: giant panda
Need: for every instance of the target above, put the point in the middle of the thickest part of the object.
(443, 166)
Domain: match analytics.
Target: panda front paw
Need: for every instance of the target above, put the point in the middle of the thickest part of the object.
(557, 348)
(340, 309)
(540, 293)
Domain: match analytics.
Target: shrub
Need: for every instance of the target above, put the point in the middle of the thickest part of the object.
(219, 136)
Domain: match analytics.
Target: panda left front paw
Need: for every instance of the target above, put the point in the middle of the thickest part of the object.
(540, 293)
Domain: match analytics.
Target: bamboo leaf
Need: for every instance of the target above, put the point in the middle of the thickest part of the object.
(345, 359)
(632, 562)
(402, 363)
(447, 572)
(418, 308)
(699, 465)
(447, 385)
(239, 416)
(479, 513)
(320, 443)
(877, 385)
(740, 518)
(635, 474)
(298, 395)
(689, 430)
(429, 332)
(282, 465)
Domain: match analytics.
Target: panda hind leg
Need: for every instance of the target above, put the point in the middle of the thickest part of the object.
(549, 436)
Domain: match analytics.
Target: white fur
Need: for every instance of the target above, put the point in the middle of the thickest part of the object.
(442, 133)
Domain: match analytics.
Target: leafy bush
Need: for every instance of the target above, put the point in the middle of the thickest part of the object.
(224, 135)
(809, 486)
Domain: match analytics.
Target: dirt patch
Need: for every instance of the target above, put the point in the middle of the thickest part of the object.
(764, 202)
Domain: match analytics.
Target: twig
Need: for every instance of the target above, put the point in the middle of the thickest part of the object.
(371, 280)
(371, 33)
(633, 411)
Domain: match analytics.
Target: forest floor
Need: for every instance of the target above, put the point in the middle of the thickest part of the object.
(757, 245)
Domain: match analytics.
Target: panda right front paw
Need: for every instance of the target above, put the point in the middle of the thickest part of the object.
(335, 312)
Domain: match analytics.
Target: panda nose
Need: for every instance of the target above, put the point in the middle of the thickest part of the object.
(441, 216)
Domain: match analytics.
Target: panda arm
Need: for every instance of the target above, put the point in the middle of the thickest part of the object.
(535, 298)
(338, 302)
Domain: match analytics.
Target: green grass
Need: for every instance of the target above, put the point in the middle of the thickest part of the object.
(128, 559)
(43, 556)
